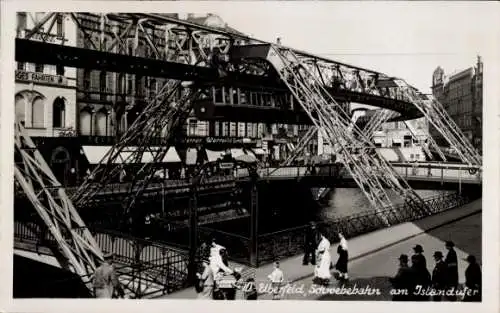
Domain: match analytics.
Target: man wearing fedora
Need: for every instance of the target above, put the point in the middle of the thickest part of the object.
(419, 257)
(105, 279)
(439, 275)
(452, 272)
(403, 282)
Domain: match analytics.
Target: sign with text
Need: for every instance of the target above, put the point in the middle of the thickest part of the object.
(41, 78)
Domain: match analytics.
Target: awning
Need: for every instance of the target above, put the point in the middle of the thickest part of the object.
(235, 153)
(95, 154)
(191, 156)
(259, 151)
(172, 156)
(213, 155)
(248, 158)
(378, 140)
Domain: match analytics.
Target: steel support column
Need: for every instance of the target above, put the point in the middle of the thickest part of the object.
(254, 224)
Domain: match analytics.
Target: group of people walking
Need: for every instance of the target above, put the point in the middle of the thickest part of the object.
(415, 283)
(317, 253)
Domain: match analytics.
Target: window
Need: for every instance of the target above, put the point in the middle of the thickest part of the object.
(86, 80)
(37, 113)
(39, 68)
(101, 123)
(21, 21)
(21, 66)
(102, 85)
(60, 69)
(120, 88)
(59, 26)
(20, 109)
(58, 113)
(192, 125)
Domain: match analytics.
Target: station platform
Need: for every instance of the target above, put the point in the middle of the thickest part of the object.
(373, 256)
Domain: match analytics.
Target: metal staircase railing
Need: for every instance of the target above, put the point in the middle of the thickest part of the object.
(358, 153)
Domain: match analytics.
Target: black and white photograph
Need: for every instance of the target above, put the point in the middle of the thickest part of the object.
(251, 152)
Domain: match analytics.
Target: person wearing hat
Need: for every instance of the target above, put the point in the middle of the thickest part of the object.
(451, 261)
(403, 282)
(473, 280)
(422, 279)
(439, 275)
(205, 281)
(105, 280)
(310, 245)
(419, 257)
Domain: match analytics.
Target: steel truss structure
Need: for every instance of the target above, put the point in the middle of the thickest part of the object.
(370, 171)
(164, 38)
(439, 118)
(76, 248)
(160, 118)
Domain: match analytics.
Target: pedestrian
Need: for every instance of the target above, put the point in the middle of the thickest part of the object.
(419, 257)
(206, 281)
(439, 276)
(105, 281)
(277, 280)
(452, 272)
(310, 245)
(323, 260)
(342, 251)
(250, 289)
(422, 277)
(473, 280)
(403, 281)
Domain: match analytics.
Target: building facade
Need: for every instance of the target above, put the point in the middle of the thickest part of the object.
(461, 94)
(45, 95)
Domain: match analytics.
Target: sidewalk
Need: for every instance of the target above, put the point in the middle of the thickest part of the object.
(360, 246)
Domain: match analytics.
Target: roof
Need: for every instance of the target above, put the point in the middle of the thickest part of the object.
(204, 20)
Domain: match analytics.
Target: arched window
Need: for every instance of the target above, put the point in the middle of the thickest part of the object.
(86, 122)
(38, 112)
(59, 112)
(20, 108)
(101, 123)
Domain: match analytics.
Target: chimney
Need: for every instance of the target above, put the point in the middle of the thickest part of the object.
(190, 16)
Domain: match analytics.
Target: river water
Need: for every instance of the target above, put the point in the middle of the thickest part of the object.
(347, 201)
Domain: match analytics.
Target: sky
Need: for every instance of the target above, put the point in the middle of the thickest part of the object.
(407, 40)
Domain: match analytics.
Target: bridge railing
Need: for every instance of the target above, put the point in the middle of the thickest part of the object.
(291, 241)
(146, 267)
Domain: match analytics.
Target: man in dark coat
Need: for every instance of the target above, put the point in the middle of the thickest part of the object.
(403, 283)
(419, 257)
(422, 277)
(452, 272)
(310, 245)
(439, 275)
(473, 280)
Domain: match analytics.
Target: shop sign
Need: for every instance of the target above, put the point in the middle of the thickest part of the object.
(41, 78)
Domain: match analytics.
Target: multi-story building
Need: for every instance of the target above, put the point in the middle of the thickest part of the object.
(45, 95)
(461, 94)
(62, 107)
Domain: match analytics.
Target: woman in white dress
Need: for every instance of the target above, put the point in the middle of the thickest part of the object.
(323, 261)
